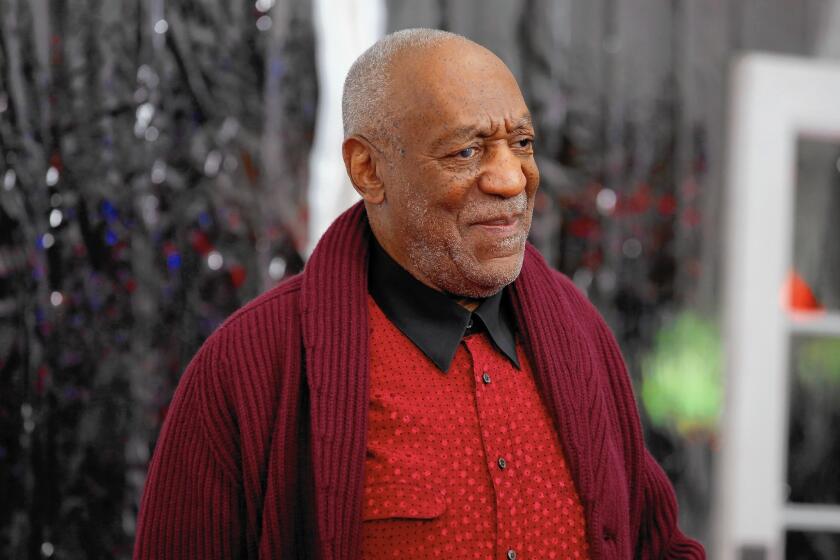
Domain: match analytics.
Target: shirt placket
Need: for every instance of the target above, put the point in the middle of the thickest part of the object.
(494, 398)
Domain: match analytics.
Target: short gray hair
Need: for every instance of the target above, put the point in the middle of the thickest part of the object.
(363, 102)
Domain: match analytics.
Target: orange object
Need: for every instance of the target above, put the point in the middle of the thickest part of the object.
(798, 295)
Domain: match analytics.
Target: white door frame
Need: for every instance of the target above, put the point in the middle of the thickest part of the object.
(775, 101)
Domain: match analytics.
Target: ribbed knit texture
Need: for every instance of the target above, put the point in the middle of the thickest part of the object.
(231, 417)
(233, 476)
(433, 483)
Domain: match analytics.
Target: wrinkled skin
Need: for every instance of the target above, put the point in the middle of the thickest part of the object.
(449, 186)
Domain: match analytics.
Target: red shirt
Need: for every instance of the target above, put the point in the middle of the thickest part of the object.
(462, 464)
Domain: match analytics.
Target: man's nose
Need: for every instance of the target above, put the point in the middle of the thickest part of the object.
(502, 174)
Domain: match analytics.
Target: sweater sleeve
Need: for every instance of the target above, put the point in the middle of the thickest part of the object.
(190, 505)
(659, 535)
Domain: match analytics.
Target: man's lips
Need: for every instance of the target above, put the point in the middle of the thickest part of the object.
(499, 225)
(497, 220)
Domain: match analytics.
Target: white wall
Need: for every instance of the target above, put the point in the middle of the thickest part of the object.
(344, 29)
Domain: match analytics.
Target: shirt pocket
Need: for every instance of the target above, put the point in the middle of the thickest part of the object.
(402, 501)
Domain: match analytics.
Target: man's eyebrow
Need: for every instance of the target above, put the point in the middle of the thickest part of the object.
(470, 131)
(523, 122)
(459, 134)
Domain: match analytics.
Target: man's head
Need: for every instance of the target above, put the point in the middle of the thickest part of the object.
(439, 144)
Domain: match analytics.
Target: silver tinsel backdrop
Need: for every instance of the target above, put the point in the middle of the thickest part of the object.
(153, 177)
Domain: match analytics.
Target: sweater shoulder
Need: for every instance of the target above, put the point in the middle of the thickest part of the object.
(591, 325)
(552, 284)
(242, 368)
(260, 321)
(279, 299)
(583, 309)
(255, 344)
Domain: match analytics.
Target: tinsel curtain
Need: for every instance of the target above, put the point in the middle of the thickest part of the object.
(152, 179)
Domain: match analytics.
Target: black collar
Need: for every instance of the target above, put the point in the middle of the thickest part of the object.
(432, 320)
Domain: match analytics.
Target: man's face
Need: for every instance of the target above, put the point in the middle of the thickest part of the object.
(460, 178)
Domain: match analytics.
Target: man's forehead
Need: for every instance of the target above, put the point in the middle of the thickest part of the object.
(457, 86)
(449, 66)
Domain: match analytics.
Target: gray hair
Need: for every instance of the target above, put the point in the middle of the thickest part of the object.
(363, 102)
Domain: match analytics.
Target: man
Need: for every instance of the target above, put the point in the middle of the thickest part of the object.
(428, 386)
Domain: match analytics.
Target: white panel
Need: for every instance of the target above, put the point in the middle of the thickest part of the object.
(344, 29)
(816, 324)
(800, 517)
(774, 101)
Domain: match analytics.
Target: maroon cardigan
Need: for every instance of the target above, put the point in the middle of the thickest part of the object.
(262, 451)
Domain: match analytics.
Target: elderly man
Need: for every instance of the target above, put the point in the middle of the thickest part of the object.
(428, 386)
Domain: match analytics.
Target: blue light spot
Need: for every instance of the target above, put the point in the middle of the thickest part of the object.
(204, 219)
(111, 238)
(173, 261)
(108, 210)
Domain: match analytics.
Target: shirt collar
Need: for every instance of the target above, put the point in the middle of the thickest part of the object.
(433, 320)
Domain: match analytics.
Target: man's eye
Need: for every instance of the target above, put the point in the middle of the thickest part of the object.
(525, 143)
(466, 153)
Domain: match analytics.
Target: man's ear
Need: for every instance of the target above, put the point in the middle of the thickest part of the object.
(361, 159)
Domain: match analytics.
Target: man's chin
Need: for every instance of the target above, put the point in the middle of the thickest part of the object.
(500, 262)
(486, 277)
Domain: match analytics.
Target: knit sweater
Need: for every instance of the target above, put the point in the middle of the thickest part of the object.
(262, 451)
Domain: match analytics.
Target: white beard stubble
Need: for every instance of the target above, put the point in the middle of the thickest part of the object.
(446, 261)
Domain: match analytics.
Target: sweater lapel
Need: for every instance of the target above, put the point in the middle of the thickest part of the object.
(335, 336)
(562, 363)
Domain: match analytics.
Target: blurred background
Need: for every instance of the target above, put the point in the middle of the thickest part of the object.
(162, 163)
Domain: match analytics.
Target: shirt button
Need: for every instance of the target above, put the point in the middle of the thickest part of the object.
(503, 466)
(511, 554)
(485, 377)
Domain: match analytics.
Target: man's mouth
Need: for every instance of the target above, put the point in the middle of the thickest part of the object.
(501, 226)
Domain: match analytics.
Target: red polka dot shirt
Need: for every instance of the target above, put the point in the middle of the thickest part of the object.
(464, 463)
